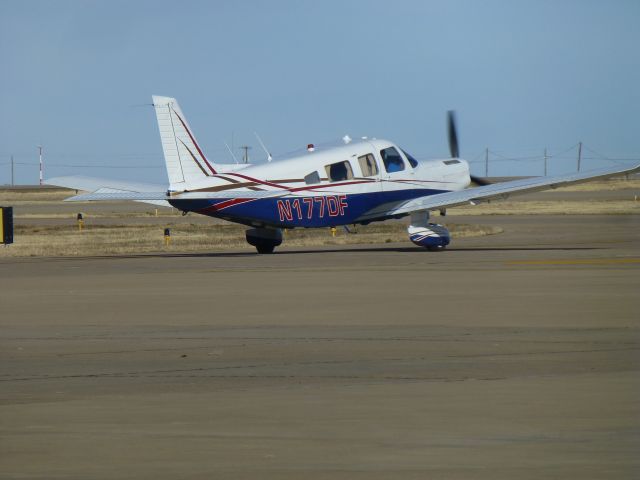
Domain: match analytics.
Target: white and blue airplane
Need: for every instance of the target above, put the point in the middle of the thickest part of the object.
(352, 182)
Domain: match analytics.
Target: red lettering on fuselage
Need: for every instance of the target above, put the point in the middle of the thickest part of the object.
(296, 205)
(309, 203)
(322, 201)
(333, 205)
(284, 210)
(342, 203)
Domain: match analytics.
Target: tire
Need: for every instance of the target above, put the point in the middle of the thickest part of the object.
(265, 248)
(436, 248)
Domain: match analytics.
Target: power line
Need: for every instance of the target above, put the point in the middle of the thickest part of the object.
(63, 165)
(600, 155)
(103, 166)
(564, 151)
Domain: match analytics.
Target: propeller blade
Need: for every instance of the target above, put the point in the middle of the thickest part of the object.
(453, 134)
(481, 182)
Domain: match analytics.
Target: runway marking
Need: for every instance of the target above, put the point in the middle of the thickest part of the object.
(579, 261)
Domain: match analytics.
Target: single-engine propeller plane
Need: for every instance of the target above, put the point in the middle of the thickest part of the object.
(350, 182)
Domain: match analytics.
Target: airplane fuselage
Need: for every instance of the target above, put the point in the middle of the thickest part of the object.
(357, 182)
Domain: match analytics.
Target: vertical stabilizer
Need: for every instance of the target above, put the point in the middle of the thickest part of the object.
(186, 162)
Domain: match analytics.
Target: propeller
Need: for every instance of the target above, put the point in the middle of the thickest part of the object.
(453, 134)
(481, 182)
(453, 145)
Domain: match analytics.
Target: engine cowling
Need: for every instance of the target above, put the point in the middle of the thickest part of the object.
(432, 236)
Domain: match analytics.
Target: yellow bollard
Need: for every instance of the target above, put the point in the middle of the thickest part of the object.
(167, 237)
(333, 231)
(80, 222)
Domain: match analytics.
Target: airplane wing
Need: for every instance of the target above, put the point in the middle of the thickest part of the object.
(157, 194)
(502, 191)
(154, 194)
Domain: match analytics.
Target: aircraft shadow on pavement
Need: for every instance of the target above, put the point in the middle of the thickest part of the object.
(348, 251)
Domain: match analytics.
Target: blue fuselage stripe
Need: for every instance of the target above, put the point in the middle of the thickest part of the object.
(302, 211)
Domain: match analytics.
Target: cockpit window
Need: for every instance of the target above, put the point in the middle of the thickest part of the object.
(339, 171)
(412, 161)
(368, 165)
(392, 160)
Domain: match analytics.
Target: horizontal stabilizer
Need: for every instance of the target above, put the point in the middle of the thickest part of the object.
(111, 187)
(108, 194)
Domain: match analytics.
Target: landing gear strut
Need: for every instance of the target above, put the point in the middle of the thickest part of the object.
(432, 236)
(264, 239)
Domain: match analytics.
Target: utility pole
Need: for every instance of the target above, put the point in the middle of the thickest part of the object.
(486, 162)
(245, 157)
(545, 161)
(12, 184)
(40, 155)
(579, 154)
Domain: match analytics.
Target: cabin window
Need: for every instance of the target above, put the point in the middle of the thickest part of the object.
(313, 177)
(339, 171)
(368, 165)
(451, 162)
(392, 160)
(412, 161)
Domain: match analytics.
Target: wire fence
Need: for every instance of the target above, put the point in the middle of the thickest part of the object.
(546, 161)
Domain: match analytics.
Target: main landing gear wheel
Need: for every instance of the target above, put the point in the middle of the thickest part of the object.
(265, 248)
(264, 239)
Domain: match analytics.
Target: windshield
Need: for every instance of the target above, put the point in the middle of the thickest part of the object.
(392, 160)
(412, 161)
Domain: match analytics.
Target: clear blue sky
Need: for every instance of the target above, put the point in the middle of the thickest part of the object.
(522, 75)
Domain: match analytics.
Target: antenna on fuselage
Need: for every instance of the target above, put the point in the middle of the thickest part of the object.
(245, 157)
(231, 152)
(269, 157)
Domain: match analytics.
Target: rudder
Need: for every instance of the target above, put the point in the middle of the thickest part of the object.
(185, 161)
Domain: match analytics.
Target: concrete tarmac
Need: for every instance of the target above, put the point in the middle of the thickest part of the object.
(508, 356)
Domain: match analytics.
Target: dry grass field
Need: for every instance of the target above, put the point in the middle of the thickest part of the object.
(576, 200)
(45, 226)
(59, 241)
(551, 207)
(621, 183)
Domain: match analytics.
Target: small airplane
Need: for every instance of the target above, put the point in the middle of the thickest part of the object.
(349, 182)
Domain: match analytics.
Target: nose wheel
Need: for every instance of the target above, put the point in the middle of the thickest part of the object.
(432, 236)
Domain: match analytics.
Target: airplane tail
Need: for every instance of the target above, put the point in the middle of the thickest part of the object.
(186, 163)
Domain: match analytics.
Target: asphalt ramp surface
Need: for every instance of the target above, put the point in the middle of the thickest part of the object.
(509, 356)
